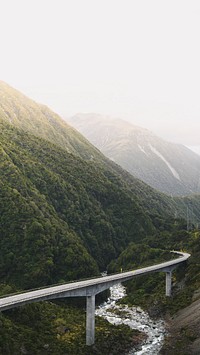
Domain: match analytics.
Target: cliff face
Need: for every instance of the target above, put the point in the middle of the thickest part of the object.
(184, 330)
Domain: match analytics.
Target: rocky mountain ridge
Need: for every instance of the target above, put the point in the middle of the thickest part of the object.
(168, 167)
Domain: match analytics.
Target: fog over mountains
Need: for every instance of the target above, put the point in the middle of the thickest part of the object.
(171, 168)
(195, 148)
(67, 212)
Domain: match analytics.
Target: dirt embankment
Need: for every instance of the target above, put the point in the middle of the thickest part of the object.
(184, 330)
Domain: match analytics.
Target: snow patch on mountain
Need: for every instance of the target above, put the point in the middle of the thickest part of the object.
(168, 167)
(195, 148)
(173, 171)
(142, 150)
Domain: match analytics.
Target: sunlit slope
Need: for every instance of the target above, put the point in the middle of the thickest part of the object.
(60, 216)
(24, 113)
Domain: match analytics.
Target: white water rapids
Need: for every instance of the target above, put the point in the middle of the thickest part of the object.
(135, 318)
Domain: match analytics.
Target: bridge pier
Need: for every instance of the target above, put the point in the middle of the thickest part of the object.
(90, 288)
(168, 283)
(90, 320)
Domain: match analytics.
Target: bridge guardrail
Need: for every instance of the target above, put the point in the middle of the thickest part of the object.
(79, 280)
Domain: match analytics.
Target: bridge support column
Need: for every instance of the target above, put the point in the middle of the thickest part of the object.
(90, 320)
(168, 283)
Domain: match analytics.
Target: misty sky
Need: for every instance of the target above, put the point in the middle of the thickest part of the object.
(134, 59)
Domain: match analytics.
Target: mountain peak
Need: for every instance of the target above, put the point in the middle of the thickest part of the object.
(168, 167)
(26, 114)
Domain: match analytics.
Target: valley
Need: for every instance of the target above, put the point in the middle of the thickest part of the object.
(67, 213)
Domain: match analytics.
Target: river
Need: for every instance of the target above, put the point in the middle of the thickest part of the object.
(135, 318)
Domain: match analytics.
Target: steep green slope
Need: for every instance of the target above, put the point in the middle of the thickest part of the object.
(189, 208)
(22, 112)
(36, 247)
(55, 206)
(47, 328)
(66, 212)
(158, 205)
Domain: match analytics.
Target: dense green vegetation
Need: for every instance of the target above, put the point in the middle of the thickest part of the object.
(45, 328)
(23, 113)
(59, 213)
(149, 290)
(66, 213)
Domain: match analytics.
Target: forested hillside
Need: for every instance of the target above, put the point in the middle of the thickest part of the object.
(24, 113)
(59, 213)
(182, 309)
(67, 212)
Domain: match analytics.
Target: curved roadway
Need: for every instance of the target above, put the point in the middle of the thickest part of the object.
(87, 287)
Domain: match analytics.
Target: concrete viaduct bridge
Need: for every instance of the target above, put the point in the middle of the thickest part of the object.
(89, 288)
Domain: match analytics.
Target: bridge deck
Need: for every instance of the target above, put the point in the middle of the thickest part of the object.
(85, 288)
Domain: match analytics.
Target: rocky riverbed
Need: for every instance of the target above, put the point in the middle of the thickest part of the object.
(135, 318)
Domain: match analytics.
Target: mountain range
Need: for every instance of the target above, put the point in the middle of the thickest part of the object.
(67, 212)
(168, 167)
